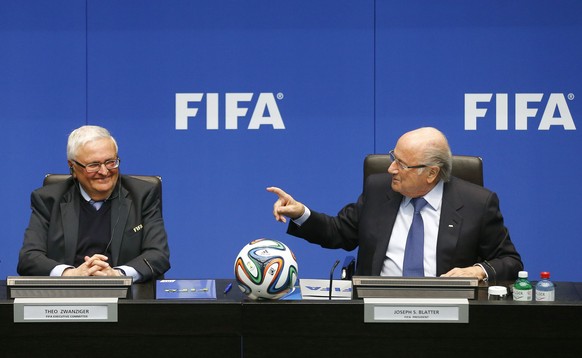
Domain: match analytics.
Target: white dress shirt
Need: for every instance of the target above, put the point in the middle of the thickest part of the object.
(431, 214)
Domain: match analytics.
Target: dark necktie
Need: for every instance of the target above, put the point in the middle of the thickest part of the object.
(414, 253)
(96, 204)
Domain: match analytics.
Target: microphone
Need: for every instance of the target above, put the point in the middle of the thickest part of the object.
(348, 268)
(150, 266)
(331, 277)
(486, 263)
(153, 280)
(118, 215)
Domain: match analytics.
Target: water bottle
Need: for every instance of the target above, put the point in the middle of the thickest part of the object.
(545, 290)
(522, 288)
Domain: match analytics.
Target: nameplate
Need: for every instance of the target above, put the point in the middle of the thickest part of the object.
(65, 310)
(416, 310)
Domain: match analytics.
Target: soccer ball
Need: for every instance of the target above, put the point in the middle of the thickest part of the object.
(265, 269)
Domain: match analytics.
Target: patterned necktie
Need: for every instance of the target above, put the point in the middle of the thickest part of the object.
(414, 252)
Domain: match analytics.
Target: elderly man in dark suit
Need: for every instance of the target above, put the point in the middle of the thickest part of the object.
(461, 226)
(98, 222)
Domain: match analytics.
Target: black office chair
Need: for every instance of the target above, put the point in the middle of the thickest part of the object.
(154, 179)
(469, 168)
(466, 167)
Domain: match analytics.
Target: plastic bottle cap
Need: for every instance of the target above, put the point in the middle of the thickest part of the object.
(497, 290)
(545, 274)
(522, 274)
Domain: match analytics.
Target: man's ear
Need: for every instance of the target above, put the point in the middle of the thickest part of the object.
(433, 174)
(71, 170)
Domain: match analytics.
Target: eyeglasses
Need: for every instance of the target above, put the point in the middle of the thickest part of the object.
(95, 167)
(403, 166)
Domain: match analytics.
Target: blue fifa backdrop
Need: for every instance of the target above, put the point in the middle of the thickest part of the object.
(225, 98)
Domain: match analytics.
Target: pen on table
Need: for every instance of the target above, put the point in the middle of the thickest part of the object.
(228, 287)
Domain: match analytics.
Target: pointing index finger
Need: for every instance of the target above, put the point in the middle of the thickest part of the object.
(278, 191)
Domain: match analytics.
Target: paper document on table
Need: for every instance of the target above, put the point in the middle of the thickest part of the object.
(319, 289)
(185, 289)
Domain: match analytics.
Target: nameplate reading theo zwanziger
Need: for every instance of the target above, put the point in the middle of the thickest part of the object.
(65, 310)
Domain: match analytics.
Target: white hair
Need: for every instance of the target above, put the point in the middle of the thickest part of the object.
(83, 135)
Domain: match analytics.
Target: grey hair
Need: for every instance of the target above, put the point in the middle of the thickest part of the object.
(83, 135)
(441, 156)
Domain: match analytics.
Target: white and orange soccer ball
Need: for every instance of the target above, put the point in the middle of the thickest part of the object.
(265, 269)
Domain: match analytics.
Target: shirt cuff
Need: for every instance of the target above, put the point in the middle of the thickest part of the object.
(59, 269)
(303, 218)
(130, 271)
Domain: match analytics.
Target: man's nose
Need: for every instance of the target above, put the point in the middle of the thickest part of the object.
(393, 168)
(103, 169)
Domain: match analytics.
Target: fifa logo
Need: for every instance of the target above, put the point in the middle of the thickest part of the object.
(556, 112)
(265, 110)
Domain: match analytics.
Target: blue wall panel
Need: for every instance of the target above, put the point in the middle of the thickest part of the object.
(318, 57)
(429, 55)
(42, 96)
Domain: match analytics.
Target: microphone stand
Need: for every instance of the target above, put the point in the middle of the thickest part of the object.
(331, 277)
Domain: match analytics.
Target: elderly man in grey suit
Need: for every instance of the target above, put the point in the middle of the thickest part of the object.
(98, 222)
(461, 226)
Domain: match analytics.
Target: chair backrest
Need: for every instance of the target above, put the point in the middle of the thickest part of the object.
(56, 178)
(466, 167)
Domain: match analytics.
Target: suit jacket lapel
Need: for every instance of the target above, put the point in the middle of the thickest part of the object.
(119, 215)
(70, 222)
(449, 227)
(387, 211)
